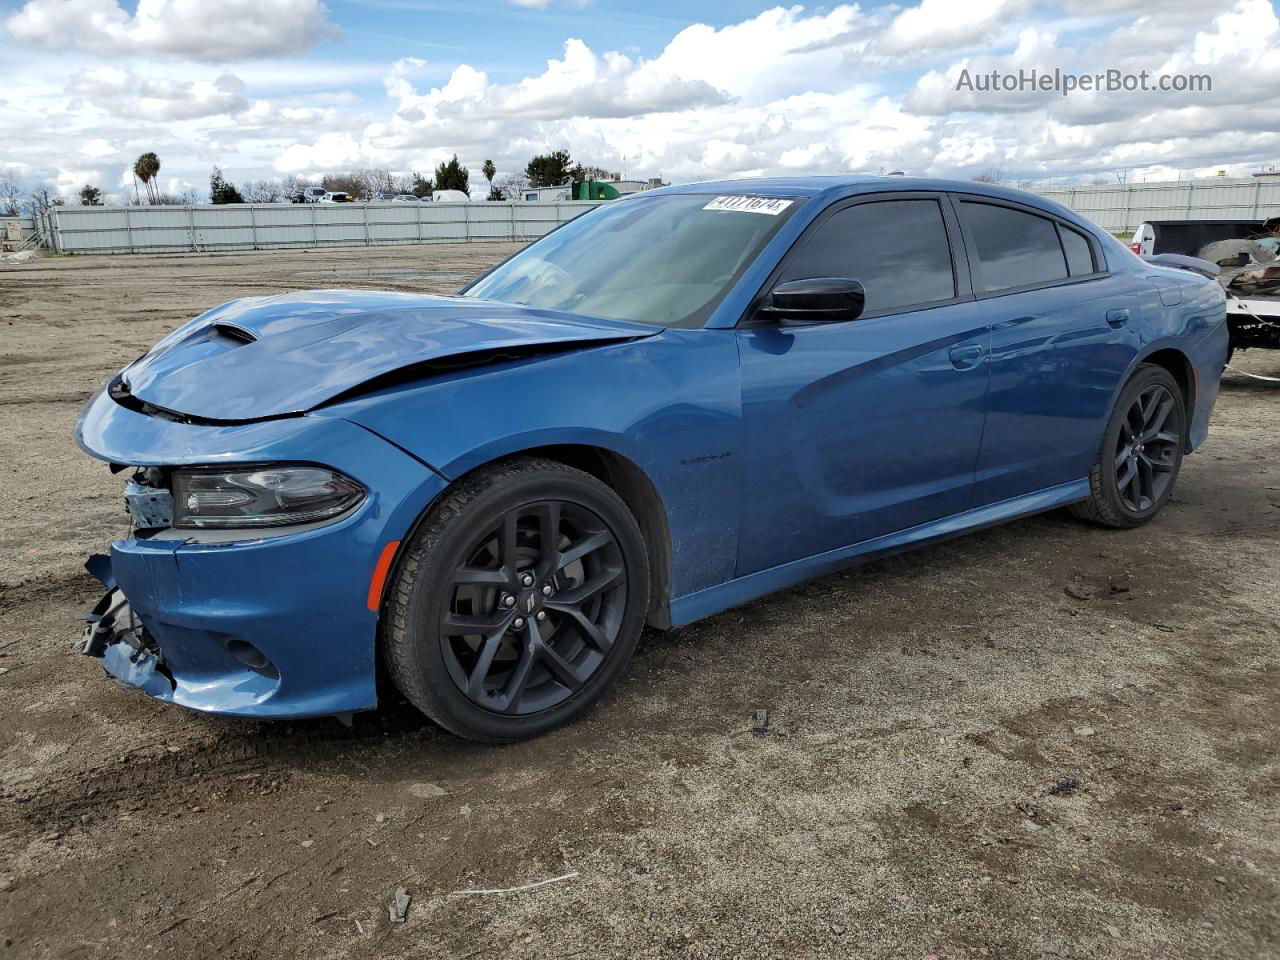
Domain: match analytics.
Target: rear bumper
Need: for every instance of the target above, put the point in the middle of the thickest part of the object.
(274, 626)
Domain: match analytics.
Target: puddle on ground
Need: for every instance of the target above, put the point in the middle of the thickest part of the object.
(391, 273)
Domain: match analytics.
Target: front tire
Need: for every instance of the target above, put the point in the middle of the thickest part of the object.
(1141, 452)
(518, 601)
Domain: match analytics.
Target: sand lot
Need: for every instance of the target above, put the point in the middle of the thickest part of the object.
(914, 798)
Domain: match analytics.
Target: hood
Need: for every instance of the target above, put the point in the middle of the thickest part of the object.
(275, 356)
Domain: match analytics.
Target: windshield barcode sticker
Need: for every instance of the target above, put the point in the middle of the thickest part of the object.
(768, 205)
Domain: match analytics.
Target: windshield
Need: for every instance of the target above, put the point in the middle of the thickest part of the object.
(663, 260)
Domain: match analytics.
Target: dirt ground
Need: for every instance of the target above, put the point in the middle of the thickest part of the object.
(1041, 740)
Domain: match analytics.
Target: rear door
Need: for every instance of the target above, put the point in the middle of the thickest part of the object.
(1063, 332)
(861, 428)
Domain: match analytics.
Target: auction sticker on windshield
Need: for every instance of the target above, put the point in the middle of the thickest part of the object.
(770, 205)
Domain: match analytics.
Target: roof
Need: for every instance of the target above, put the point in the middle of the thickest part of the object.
(775, 186)
(810, 186)
(831, 188)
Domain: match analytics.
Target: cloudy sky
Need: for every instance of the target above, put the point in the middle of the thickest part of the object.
(679, 90)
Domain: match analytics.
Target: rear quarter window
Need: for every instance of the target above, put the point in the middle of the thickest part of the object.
(1079, 252)
(1015, 249)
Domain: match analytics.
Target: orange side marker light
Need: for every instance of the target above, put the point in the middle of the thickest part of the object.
(380, 574)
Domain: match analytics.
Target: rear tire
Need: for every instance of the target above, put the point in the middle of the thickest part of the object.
(1141, 452)
(518, 601)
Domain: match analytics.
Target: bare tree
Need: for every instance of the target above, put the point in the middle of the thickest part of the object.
(990, 175)
(510, 186)
(294, 184)
(341, 183)
(185, 198)
(263, 191)
(374, 181)
(10, 197)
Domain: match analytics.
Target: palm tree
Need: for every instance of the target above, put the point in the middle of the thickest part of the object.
(489, 171)
(145, 169)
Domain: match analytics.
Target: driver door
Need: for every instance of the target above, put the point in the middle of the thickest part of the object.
(860, 428)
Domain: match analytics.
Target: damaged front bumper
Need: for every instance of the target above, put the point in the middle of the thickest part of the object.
(250, 623)
(116, 636)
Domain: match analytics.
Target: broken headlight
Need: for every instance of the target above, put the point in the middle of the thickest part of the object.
(261, 496)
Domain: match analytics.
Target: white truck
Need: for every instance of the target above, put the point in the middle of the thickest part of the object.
(1244, 254)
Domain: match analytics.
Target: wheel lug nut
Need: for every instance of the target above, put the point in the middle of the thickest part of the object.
(542, 615)
(547, 591)
(508, 600)
(526, 580)
(518, 623)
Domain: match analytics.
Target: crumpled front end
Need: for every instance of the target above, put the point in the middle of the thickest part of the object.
(116, 636)
(274, 622)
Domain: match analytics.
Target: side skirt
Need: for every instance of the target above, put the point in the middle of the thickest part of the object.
(712, 600)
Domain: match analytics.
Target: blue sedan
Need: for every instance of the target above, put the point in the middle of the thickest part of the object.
(674, 404)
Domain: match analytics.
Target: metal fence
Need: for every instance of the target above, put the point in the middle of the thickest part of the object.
(1122, 208)
(274, 226)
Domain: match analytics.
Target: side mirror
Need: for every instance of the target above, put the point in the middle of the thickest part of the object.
(816, 300)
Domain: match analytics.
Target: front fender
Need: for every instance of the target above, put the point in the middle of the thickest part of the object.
(670, 404)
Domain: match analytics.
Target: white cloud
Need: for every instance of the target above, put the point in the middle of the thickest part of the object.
(189, 29)
(789, 90)
(957, 88)
(97, 148)
(125, 94)
(946, 25)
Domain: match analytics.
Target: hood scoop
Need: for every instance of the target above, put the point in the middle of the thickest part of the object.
(269, 357)
(230, 334)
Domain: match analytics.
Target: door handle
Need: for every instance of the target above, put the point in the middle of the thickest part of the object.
(1118, 318)
(965, 356)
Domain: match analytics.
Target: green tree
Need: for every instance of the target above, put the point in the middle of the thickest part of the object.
(90, 196)
(145, 168)
(421, 186)
(453, 176)
(222, 190)
(550, 169)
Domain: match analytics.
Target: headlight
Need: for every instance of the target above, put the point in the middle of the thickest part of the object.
(265, 496)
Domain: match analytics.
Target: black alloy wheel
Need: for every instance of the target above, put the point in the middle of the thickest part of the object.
(536, 608)
(1141, 452)
(517, 602)
(1146, 450)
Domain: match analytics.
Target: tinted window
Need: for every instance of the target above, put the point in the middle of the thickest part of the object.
(1014, 248)
(1079, 255)
(897, 250)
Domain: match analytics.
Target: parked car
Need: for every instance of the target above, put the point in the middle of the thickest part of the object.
(405, 198)
(1242, 253)
(308, 195)
(336, 196)
(669, 406)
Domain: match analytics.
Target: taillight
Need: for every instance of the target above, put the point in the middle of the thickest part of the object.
(1136, 247)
